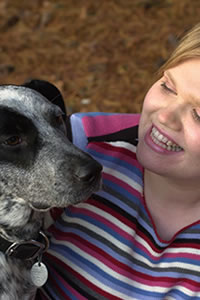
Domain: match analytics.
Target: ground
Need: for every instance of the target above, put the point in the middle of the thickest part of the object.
(102, 54)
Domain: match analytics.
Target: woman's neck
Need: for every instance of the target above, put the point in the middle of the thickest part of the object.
(171, 191)
(172, 204)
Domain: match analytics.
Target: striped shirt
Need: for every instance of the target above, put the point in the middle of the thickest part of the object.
(108, 247)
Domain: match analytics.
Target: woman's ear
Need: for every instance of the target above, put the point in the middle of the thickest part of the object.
(48, 90)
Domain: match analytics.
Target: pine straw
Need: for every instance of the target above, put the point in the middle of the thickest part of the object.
(102, 54)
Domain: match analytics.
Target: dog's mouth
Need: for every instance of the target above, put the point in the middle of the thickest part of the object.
(37, 206)
(65, 200)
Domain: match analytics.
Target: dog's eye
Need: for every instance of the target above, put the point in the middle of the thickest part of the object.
(59, 119)
(13, 141)
(59, 122)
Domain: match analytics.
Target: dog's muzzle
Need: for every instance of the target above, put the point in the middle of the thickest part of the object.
(27, 250)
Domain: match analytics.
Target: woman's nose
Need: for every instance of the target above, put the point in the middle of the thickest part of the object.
(170, 117)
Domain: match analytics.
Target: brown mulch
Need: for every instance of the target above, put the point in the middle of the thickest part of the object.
(102, 54)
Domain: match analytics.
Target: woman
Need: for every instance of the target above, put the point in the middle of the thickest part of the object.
(138, 237)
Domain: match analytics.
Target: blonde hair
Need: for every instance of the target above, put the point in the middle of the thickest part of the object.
(189, 47)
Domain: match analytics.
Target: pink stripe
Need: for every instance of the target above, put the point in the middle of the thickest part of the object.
(183, 255)
(164, 282)
(104, 221)
(111, 152)
(112, 212)
(166, 255)
(108, 263)
(100, 258)
(193, 286)
(110, 123)
(136, 276)
(131, 275)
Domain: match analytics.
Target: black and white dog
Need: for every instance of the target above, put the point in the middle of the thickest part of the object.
(39, 169)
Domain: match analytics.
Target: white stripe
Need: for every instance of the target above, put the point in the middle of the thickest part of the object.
(186, 291)
(127, 249)
(131, 232)
(155, 254)
(186, 250)
(98, 231)
(125, 145)
(105, 269)
(108, 217)
(165, 265)
(111, 273)
(93, 280)
(119, 224)
(124, 178)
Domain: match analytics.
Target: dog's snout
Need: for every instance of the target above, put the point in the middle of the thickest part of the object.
(88, 172)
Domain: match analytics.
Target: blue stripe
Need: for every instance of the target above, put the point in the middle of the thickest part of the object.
(122, 259)
(177, 294)
(102, 226)
(62, 287)
(156, 260)
(120, 190)
(121, 203)
(98, 244)
(117, 163)
(92, 269)
(99, 274)
(190, 235)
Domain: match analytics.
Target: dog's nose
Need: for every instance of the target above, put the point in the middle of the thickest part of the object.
(88, 172)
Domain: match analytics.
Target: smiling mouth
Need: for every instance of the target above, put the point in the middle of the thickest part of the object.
(162, 141)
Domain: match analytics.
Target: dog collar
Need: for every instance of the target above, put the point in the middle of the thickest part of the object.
(25, 250)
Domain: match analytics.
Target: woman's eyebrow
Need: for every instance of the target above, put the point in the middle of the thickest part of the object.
(169, 75)
(192, 98)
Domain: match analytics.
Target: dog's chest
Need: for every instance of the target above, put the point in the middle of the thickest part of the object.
(15, 281)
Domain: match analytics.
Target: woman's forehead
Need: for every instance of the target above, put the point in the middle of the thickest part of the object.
(186, 79)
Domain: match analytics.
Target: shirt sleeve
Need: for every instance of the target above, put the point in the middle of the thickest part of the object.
(87, 126)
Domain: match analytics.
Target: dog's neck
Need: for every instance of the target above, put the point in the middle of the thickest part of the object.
(25, 243)
(27, 250)
(29, 230)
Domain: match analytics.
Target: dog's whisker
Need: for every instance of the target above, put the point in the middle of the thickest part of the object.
(52, 100)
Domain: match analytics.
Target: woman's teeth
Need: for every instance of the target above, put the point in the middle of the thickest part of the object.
(163, 141)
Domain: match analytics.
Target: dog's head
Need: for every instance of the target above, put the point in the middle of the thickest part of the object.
(39, 167)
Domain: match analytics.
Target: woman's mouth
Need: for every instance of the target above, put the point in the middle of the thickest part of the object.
(163, 141)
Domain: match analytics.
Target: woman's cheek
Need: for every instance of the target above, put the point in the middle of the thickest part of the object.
(154, 99)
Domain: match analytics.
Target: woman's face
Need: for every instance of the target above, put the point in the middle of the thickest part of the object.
(169, 129)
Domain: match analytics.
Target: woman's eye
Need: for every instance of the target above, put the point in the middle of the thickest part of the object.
(195, 115)
(13, 141)
(167, 89)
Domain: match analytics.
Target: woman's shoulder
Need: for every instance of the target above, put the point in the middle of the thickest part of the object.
(101, 126)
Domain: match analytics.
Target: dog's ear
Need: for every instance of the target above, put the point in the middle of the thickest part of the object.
(48, 90)
(52, 93)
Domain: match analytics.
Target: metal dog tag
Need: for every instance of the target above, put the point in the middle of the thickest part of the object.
(39, 274)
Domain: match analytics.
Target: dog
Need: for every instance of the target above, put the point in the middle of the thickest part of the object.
(39, 169)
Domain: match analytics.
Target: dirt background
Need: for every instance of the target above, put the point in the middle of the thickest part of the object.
(102, 54)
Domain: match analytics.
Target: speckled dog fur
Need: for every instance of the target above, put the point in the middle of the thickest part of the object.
(37, 163)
